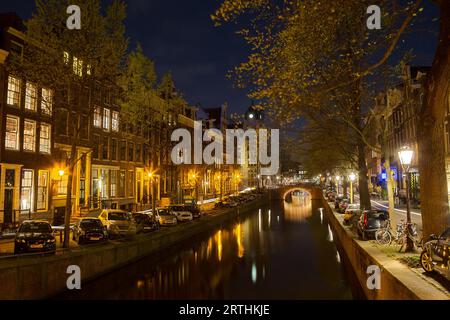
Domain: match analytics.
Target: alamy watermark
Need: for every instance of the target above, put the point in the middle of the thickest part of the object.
(250, 146)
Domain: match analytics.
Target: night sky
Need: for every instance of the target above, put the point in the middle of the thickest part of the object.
(180, 37)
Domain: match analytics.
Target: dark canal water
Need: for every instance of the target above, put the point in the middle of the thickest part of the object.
(281, 251)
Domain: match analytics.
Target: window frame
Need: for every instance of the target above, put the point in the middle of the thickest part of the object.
(49, 138)
(17, 133)
(33, 135)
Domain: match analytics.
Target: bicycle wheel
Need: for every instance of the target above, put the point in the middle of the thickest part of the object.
(383, 237)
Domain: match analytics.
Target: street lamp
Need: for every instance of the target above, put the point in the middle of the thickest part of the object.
(406, 154)
(352, 178)
(61, 172)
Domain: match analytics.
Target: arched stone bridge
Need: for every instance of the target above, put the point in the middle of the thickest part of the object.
(282, 192)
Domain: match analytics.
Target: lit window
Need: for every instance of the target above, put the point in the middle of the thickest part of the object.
(61, 185)
(106, 119)
(113, 184)
(42, 190)
(97, 117)
(30, 97)
(29, 135)
(12, 133)
(78, 66)
(45, 138)
(26, 189)
(47, 101)
(66, 58)
(13, 91)
(115, 121)
(88, 70)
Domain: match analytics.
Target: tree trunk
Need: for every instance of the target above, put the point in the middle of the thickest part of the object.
(390, 191)
(431, 133)
(67, 218)
(364, 196)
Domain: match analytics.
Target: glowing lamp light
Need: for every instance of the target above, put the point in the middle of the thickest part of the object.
(338, 178)
(61, 172)
(352, 176)
(405, 154)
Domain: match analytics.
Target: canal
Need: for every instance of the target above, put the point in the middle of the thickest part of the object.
(280, 251)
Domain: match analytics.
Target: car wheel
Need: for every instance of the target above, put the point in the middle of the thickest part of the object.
(426, 262)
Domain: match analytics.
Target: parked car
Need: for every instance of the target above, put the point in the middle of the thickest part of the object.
(89, 230)
(370, 221)
(338, 201)
(181, 213)
(145, 222)
(352, 213)
(34, 236)
(118, 222)
(194, 209)
(435, 254)
(166, 217)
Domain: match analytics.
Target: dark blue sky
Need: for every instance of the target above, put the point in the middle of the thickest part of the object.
(180, 37)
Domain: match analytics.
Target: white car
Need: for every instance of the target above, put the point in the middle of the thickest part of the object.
(118, 222)
(181, 213)
(165, 217)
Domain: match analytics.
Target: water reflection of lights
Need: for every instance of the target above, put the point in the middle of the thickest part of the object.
(254, 273)
(338, 257)
(298, 212)
(259, 221)
(219, 244)
(269, 218)
(237, 231)
(330, 234)
(321, 215)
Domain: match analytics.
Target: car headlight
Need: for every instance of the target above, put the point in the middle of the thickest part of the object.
(20, 240)
(51, 240)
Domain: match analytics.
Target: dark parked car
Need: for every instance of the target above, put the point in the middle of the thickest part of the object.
(194, 209)
(145, 222)
(34, 236)
(370, 221)
(89, 230)
(435, 254)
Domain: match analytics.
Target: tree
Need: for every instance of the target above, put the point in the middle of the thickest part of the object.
(305, 49)
(69, 60)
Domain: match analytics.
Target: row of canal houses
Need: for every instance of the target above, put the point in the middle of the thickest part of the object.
(115, 160)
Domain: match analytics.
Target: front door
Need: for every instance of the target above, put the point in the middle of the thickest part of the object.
(8, 213)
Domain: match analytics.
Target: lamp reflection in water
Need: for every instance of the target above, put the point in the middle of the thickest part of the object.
(218, 239)
(298, 210)
(237, 231)
(330, 234)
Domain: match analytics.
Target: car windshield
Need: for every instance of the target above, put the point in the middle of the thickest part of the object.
(164, 212)
(118, 216)
(178, 208)
(90, 223)
(41, 227)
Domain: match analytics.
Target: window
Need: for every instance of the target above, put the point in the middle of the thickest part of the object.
(123, 151)
(30, 97)
(26, 189)
(96, 142)
(12, 133)
(106, 119)
(47, 101)
(88, 70)
(66, 57)
(84, 127)
(105, 148)
(45, 138)
(78, 66)
(13, 98)
(115, 121)
(130, 151)
(122, 184)
(97, 117)
(61, 185)
(42, 190)
(138, 152)
(130, 179)
(113, 183)
(29, 135)
(61, 122)
(113, 154)
(104, 184)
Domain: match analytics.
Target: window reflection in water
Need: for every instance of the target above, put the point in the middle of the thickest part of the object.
(299, 209)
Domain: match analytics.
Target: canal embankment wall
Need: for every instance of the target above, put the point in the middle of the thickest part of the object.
(41, 277)
(397, 281)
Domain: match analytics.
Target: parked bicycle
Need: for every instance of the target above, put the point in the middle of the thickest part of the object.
(404, 231)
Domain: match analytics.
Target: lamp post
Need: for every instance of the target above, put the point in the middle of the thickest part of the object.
(152, 192)
(337, 184)
(352, 178)
(405, 154)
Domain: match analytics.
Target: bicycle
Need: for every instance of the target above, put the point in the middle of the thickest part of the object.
(404, 231)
